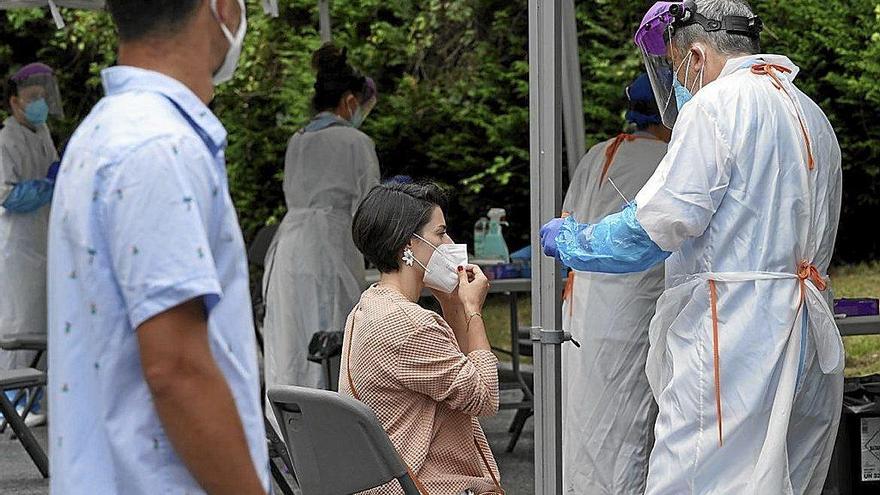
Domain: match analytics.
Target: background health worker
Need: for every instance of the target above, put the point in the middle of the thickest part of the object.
(314, 273)
(608, 410)
(27, 153)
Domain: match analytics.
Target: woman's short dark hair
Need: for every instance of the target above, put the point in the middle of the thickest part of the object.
(389, 216)
(335, 78)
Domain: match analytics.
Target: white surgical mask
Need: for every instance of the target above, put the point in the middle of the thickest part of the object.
(226, 71)
(441, 273)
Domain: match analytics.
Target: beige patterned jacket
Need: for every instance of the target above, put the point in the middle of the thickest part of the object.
(406, 365)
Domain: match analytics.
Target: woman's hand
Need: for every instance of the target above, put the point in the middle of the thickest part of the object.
(472, 288)
(447, 301)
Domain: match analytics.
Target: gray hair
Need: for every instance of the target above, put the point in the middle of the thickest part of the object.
(725, 43)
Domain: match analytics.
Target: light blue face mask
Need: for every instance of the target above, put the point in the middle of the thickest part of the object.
(357, 120)
(682, 95)
(37, 112)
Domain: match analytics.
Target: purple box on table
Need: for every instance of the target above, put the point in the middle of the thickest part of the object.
(857, 307)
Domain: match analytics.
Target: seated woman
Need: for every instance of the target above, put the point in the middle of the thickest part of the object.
(427, 377)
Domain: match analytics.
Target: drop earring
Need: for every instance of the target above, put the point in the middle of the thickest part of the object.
(408, 257)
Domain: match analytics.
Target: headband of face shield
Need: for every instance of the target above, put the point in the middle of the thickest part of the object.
(37, 91)
(654, 38)
(441, 272)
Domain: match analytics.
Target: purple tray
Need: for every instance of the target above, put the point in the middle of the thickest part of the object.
(857, 307)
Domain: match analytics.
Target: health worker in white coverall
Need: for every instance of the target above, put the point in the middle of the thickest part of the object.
(314, 273)
(608, 410)
(27, 171)
(745, 359)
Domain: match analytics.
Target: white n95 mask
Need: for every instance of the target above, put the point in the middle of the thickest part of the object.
(442, 270)
(227, 70)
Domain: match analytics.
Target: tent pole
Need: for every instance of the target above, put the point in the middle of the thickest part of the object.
(324, 21)
(545, 105)
(572, 90)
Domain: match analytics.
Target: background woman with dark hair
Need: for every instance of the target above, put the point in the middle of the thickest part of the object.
(314, 272)
(427, 377)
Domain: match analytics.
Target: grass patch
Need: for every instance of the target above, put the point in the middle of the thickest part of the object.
(862, 352)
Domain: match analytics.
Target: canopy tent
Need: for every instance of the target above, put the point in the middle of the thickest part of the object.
(269, 6)
(546, 101)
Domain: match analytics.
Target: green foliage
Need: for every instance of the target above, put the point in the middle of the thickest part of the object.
(453, 82)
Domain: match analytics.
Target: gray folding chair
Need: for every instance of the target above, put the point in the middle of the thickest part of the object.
(15, 380)
(25, 342)
(337, 444)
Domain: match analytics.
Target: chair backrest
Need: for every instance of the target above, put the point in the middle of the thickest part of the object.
(337, 444)
(260, 245)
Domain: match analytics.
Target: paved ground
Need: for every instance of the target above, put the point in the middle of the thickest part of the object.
(19, 477)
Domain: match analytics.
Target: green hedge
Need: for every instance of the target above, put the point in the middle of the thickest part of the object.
(453, 78)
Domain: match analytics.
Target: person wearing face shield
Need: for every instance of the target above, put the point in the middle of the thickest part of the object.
(314, 273)
(608, 412)
(26, 156)
(153, 374)
(427, 377)
(745, 359)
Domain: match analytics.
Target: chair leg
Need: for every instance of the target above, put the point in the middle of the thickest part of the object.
(280, 479)
(19, 395)
(25, 436)
(519, 422)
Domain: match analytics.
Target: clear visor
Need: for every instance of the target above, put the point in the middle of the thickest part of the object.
(367, 106)
(39, 86)
(661, 74)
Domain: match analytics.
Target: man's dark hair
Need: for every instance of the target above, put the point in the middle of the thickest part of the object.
(139, 19)
(389, 216)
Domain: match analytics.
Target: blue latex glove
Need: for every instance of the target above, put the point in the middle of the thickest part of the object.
(29, 196)
(617, 244)
(52, 174)
(549, 232)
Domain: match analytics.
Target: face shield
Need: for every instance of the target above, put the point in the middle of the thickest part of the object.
(370, 97)
(654, 39)
(35, 82)
(366, 104)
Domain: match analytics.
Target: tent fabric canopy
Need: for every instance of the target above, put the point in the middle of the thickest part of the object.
(76, 4)
(270, 7)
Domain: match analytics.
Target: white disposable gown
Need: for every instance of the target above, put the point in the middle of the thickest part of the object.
(608, 411)
(749, 400)
(314, 273)
(24, 155)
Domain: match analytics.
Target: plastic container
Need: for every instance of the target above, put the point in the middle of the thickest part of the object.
(855, 463)
(494, 246)
(857, 307)
(481, 228)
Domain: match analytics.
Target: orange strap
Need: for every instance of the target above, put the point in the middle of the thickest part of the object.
(568, 292)
(716, 360)
(611, 153)
(805, 271)
(771, 71)
(419, 485)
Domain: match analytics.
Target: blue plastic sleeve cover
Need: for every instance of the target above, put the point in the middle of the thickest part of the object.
(617, 244)
(29, 196)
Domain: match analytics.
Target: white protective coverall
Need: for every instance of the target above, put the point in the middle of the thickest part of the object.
(608, 411)
(24, 155)
(745, 359)
(314, 273)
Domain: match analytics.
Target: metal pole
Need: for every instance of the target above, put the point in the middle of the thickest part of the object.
(572, 90)
(324, 21)
(545, 83)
